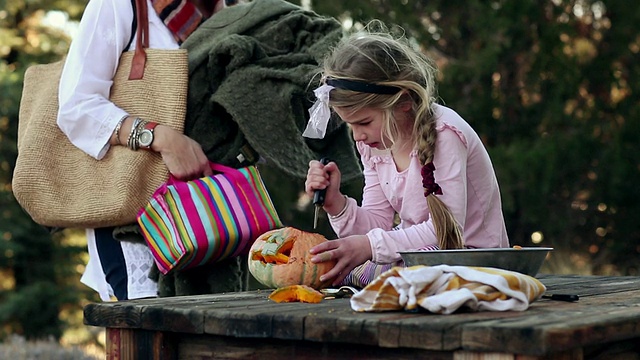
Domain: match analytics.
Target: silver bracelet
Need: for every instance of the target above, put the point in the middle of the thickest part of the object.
(118, 126)
(344, 209)
(133, 134)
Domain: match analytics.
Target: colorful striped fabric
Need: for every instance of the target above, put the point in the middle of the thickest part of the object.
(363, 275)
(187, 224)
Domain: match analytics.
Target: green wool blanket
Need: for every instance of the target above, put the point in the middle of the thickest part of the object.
(253, 69)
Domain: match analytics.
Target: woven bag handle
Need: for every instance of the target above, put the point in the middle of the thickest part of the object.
(142, 41)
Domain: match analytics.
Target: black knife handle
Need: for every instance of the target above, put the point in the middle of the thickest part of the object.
(318, 195)
(562, 297)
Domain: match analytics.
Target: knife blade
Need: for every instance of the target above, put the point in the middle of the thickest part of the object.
(318, 198)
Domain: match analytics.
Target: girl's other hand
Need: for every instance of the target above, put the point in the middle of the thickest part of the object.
(348, 253)
(183, 156)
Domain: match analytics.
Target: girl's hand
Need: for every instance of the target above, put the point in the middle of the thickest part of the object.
(183, 156)
(348, 252)
(327, 177)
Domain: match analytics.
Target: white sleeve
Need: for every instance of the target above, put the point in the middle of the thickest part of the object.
(85, 113)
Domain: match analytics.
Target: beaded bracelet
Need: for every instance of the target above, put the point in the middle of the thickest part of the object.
(118, 126)
(344, 209)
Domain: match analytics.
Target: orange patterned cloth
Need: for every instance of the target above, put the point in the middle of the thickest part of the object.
(443, 289)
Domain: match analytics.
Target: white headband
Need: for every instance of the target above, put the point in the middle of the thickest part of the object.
(319, 114)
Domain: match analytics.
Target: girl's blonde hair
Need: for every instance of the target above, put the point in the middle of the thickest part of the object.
(375, 56)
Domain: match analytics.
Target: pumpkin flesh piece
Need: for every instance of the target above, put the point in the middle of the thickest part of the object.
(296, 293)
(276, 250)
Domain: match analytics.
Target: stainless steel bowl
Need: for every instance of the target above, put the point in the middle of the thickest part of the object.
(526, 260)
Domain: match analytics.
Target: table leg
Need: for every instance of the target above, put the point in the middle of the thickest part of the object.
(135, 344)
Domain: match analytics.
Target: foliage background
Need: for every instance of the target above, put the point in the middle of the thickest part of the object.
(550, 85)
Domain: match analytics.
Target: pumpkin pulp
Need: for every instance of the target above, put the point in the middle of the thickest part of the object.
(276, 250)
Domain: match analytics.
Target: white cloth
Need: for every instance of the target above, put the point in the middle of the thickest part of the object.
(88, 118)
(443, 289)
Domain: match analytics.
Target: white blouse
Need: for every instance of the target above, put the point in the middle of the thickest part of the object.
(85, 113)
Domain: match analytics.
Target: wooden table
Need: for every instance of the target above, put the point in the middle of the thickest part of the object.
(603, 324)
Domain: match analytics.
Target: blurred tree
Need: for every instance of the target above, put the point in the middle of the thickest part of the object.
(38, 271)
(550, 87)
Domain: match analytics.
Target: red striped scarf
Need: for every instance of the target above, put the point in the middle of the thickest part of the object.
(180, 16)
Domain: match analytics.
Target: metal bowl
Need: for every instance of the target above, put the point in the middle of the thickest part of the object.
(526, 260)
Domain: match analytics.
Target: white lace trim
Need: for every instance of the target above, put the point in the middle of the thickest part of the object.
(139, 261)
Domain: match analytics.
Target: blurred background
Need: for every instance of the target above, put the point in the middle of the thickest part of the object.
(551, 86)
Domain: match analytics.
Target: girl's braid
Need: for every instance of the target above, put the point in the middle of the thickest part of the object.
(447, 229)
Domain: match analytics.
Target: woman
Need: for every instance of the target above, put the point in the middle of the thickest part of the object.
(94, 124)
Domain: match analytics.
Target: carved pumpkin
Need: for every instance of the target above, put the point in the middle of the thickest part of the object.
(281, 257)
(300, 293)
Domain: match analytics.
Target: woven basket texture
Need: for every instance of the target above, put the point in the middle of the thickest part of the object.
(58, 184)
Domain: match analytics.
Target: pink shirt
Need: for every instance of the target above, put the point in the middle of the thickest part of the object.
(463, 171)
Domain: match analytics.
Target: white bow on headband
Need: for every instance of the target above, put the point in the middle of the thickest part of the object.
(319, 114)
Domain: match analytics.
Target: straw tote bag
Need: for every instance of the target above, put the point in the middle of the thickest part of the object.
(59, 185)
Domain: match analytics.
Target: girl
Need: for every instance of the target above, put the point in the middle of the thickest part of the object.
(410, 148)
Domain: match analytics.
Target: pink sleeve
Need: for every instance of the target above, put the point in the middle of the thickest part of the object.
(450, 161)
(375, 212)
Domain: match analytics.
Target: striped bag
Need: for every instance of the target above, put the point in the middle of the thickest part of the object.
(187, 224)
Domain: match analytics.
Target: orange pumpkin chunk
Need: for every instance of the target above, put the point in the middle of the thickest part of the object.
(278, 258)
(299, 293)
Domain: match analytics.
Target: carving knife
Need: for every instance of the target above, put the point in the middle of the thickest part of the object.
(318, 198)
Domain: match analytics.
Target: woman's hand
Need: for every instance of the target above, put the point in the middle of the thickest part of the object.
(183, 156)
(328, 177)
(348, 253)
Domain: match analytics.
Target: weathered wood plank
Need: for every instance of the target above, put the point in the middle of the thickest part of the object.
(185, 319)
(591, 285)
(254, 319)
(627, 350)
(568, 355)
(128, 314)
(115, 315)
(342, 324)
(607, 315)
(125, 344)
(554, 331)
(200, 347)
(443, 332)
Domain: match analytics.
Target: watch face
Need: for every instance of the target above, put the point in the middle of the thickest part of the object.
(145, 138)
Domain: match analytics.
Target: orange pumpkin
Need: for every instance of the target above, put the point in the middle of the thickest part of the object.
(300, 293)
(281, 257)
